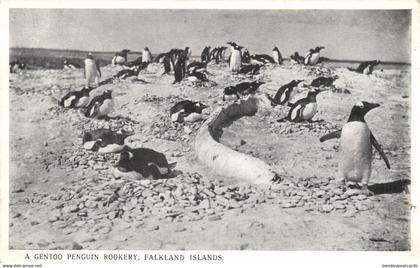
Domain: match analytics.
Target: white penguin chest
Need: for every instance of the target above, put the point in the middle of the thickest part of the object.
(82, 102)
(68, 101)
(106, 107)
(309, 111)
(276, 56)
(235, 60)
(355, 151)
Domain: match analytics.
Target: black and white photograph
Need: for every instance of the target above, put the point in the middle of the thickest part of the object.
(186, 129)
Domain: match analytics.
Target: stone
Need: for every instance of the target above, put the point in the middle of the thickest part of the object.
(327, 208)
(75, 246)
(352, 192)
(180, 229)
(214, 218)
(152, 227)
(70, 209)
(288, 205)
(43, 243)
(15, 215)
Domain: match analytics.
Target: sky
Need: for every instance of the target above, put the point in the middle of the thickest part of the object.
(347, 34)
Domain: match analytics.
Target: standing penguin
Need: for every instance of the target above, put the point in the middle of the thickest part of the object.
(92, 72)
(277, 56)
(356, 140)
(146, 55)
(312, 57)
(304, 109)
(285, 93)
(100, 106)
(235, 57)
(205, 55)
(76, 99)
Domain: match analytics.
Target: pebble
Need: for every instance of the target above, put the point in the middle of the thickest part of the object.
(352, 192)
(152, 227)
(70, 209)
(15, 215)
(75, 246)
(214, 218)
(43, 243)
(180, 229)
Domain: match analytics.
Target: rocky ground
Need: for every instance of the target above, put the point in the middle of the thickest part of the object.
(63, 197)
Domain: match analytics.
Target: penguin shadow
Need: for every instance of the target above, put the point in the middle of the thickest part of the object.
(393, 187)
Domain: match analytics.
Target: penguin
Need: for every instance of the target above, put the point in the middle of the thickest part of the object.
(105, 140)
(196, 66)
(220, 52)
(15, 66)
(312, 57)
(179, 65)
(356, 141)
(76, 99)
(141, 163)
(285, 93)
(159, 58)
(70, 65)
(205, 55)
(241, 89)
(251, 69)
(296, 58)
(213, 55)
(92, 72)
(146, 55)
(100, 106)
(263, 58)
(120, 58)
(303, 109)
(235, 57)
(366, 67)
(246, 57)
(323, 81)
(277, 56)
(187, 110)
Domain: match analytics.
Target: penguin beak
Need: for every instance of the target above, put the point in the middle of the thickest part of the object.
(369, 106)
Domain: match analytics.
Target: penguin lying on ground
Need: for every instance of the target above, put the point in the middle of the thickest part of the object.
(303, 109)
(285, 93)
(262, 58)
(241, 89)
(251, 69)
(187, 110)
(356, 141)
(120, 57)
(100, 106)
(366, 67)
(196, 66)
(70, 65)
(76, 99)
(141, 163)
(105, 140)
(277, 56)
(296, 58)
(323, 81)
(312, 57)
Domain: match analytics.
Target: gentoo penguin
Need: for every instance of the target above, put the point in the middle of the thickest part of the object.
(105, 140)
(285, 93)
(241, 89)
(356, 142)
(303, 109)
(187, 110)
(366, 67)
(220, 53)
(196, 66)
(141, 163)
(296, 58)
(312, 57)
(246, 57)
(146, 55)
(15, 66)
(76, 99)
(100, 106)
(251, 69)
(277, 56)
(92, 72)
(205, 55)
(262, 58)
(323, 81)
(70, 65)
(180, 58)
(235, 57)
(120, 57)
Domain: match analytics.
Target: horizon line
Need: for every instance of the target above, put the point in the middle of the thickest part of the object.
(137, 52)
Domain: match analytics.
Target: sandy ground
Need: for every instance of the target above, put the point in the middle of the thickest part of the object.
(45, 180)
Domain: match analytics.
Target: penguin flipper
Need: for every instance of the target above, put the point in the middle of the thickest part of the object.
(377, 146)
(333, 135)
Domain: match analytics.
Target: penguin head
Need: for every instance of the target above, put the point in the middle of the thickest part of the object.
(298, 81)
(125, 51)
(199, 107)
(108, 93)
(124, 162)
(65, 61)
(146, 48)
(311, 50)
(318, 49)
(89, 56)
(275, 49)
(125, 133)
(360, 109)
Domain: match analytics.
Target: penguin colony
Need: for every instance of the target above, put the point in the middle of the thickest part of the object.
(356, 140)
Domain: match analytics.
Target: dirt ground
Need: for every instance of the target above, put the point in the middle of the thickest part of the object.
(52, 179)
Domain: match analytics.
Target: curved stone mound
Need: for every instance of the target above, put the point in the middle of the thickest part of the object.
(224, 160)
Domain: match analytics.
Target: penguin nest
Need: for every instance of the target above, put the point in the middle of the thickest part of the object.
(164, 128)
(198, 84)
